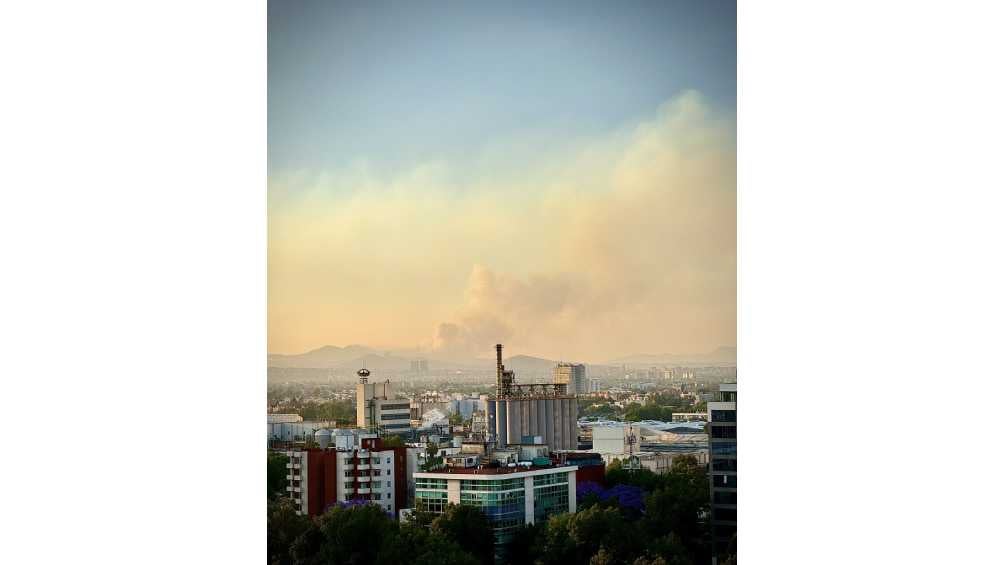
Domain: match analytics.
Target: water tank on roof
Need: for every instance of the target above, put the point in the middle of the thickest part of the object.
(322, 437)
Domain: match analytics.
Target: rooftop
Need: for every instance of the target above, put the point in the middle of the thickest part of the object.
(486, 470)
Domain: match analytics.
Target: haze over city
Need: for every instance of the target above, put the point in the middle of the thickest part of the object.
(572, 201)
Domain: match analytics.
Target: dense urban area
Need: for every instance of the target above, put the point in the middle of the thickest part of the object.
(520, 460)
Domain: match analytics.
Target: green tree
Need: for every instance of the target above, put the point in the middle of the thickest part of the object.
(432, 458)
(392, 441)
(284, 527)
(276, 476)
(469, 528)
(523, 547)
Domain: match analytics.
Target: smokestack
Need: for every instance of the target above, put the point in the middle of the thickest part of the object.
(498, 369)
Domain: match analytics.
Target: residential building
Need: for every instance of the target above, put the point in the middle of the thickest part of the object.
(377, 408)
(573, 375)
(722, 439)
(362, 470)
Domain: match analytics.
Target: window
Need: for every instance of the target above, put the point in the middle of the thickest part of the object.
(723, 448)
(723, 415)
(724, 481)
(422, 482)
(396, 416)
(388, 471)
(388, 461)
(723, 465)
(404, 406)
(723, 497)
(430, 501)
(728, 432)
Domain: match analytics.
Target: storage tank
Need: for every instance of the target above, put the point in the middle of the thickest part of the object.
(323, 438)
(501, 429)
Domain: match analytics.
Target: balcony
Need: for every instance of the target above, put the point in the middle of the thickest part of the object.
(348, 467)
(363, 479)
(363, 467)
(363, 490)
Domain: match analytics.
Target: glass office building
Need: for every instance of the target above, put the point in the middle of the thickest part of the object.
(509, 498)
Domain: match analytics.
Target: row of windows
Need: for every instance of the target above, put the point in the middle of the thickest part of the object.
(375, 473)
(723, 465)
(396, 417)
(404, 406)
(723, 448)
(494, 499)
(423, 482)
(426, 501)
(723, 431)
(494, 486)
(723, 415)
(552, 479)
(397, 426)
(725, 497)
(724, 481)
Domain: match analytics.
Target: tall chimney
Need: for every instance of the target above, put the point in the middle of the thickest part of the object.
(498, 369)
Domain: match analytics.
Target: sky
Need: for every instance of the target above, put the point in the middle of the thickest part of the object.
(444, 176)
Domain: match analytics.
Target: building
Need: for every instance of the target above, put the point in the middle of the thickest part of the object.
(722, 438)
(612, 440)
(377, 409)
(591, 466)
(572, 375)
(355, 467)
(510, 496)
(420, 366)
(517, 411)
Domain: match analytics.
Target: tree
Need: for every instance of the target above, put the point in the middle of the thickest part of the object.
(392, 441)
(469, 528)
(523, 547)
(284, 527)
(276, 476)
(602, 557)
(432, 459)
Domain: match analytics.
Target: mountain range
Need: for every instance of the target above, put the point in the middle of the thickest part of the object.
(352, 357)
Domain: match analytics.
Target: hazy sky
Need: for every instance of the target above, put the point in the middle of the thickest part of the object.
(447, 175)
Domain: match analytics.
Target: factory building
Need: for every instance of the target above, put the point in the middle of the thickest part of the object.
(573, 376)
(377, 409)
(519, 411)
(348, 465)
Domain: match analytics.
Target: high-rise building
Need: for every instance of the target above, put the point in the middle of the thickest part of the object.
(545, 410)
(509, 497)
(722, 440)
(355, 467)
(573, 375)
(376, 407)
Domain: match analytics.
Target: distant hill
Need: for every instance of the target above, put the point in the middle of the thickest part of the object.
(528, 364)
(721, 355)
(327, 357)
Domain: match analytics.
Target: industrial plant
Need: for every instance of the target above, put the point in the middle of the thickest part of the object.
(518, 413)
